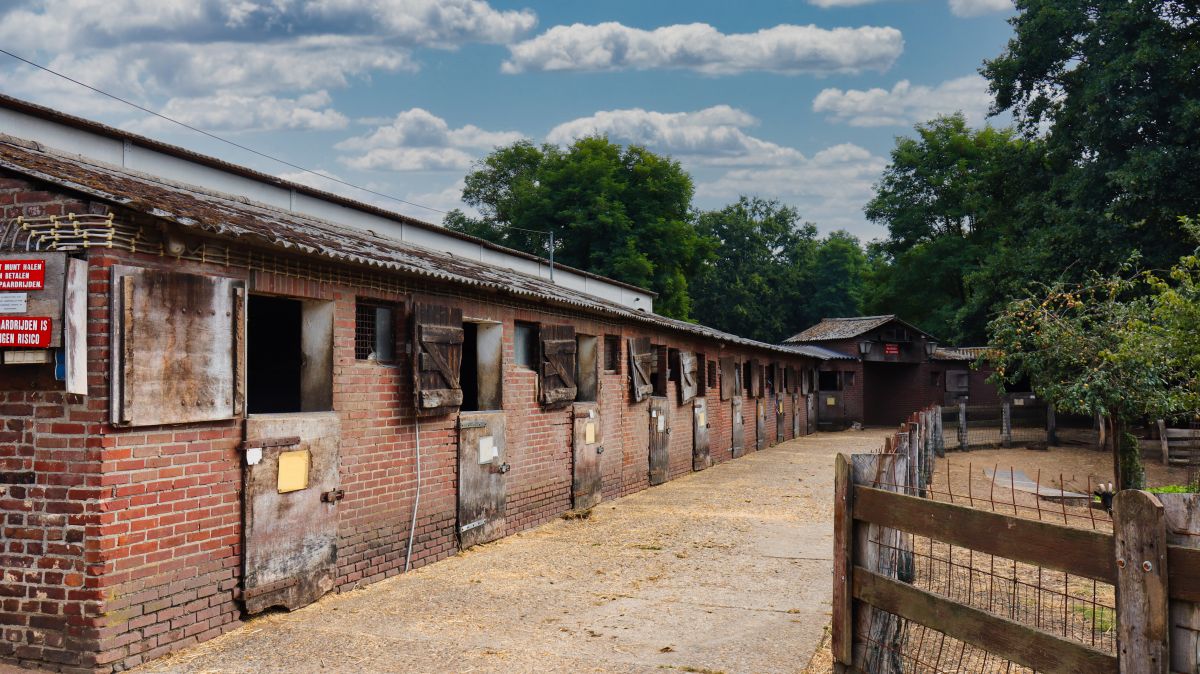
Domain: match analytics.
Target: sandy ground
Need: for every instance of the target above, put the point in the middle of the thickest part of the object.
(726, 570)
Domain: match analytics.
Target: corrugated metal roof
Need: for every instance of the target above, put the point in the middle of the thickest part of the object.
(59, 117)
(819, 352)
(966, 353)
(236, 217)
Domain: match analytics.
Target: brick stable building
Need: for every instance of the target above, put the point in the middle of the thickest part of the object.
(876, 369)
(248, 393)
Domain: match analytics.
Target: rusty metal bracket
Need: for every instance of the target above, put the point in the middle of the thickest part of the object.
(333, 495)
(262, 443)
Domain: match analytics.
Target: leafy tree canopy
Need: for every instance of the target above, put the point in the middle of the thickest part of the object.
(622, 212)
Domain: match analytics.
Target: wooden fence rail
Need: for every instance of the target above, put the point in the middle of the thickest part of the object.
(1151, 558)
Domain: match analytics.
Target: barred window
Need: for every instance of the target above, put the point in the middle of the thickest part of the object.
(374, 332)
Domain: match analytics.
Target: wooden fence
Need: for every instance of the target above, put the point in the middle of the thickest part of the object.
(1151, 558)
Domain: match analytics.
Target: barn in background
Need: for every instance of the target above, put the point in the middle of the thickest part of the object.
(222, 392)
(876, 369)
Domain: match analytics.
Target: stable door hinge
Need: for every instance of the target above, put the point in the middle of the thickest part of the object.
(333, 495)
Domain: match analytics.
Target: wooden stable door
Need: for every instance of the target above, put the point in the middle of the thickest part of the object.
(780, 418)
(760, 423)
(660, 439)
(289, 509)
(701, 456)
(738, 426)
(586, 480)
(796, 415)
(482, 469)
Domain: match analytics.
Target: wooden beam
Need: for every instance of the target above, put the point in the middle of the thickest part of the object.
(1002, 637)
(1182, 513)
(1183, 570)
(842, 640)
(1076, 551)
(1140, 532)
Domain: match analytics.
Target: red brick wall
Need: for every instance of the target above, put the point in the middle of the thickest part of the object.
(127, 546)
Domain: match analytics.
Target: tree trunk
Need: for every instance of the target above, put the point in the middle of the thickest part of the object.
(1128, 454)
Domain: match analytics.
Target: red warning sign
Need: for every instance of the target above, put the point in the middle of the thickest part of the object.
(22, 274)
(27, 332)
(891, 349)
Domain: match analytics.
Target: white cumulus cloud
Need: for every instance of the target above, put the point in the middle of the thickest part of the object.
(785, 49)
(905, 103)
(233, 112)
(967, 8)
(418, 140)
(829, 188)
(712, 136)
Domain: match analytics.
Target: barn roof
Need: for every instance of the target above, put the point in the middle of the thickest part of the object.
(239, 218)
(964, 353)
(819, 352)
(830, 329)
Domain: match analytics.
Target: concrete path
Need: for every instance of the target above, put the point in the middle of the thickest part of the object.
(726, 570)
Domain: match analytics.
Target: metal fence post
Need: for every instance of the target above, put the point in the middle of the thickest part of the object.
(1140, 537)
(962, 424)
(1006, 422)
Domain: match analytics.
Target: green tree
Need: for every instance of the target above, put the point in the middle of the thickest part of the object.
(622, 212)
(1122, 346)
(1112, 87)
(771, 275)
(951, 198)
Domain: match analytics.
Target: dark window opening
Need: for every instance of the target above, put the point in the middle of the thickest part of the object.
(935, 378)
(770, 378)
(747, 379)
(612, 353)
(673, 365)
(712, 373)
(525, 345)
(662, 370)
(847, 378)
(289, 355)
(957, 381)
(586, 381)
(374, 332)
(272, 355)
(829, 381)
(480, 374)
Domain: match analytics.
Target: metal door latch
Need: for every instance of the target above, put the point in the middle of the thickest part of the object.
(600, 450)
(333, 496)
(503, 468)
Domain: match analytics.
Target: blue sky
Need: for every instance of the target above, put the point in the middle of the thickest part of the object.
(798, 100)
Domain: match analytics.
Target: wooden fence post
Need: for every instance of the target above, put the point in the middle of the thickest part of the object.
(1006, 422)
(1051, 425)
(1140, 542)
(843, 562)
(1182, 512)
(939, 440)
(885, 551)
(962, 424)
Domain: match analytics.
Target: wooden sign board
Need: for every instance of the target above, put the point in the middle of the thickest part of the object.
(31, 300)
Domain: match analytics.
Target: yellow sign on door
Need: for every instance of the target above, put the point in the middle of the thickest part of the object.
(293, 471)
(589, 433)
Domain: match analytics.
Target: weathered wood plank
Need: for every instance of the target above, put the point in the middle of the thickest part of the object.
(843, 562)
(1182, 514)
(1183, 572)
(1075, 551)
(1140, 532)
(1009, 640)
(75, 326)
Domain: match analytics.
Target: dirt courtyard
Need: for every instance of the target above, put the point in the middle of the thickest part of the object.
(726, 570)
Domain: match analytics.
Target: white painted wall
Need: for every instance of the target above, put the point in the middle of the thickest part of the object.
(115, 151)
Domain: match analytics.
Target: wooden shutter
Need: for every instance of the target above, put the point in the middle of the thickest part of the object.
(727, 377)
(174, 358)
(556, 374)
(437, 358)
(756, 379)
(687, 376)
(641, 364)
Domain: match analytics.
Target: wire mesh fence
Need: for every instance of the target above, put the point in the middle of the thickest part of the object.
(1019, 420)
(1071, 607)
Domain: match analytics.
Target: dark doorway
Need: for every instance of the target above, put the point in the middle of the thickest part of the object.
(891, 391)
